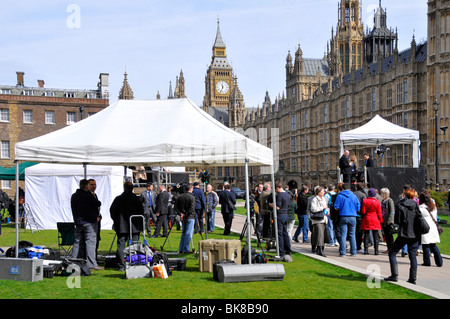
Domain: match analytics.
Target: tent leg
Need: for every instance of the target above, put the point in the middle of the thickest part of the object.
(17, 209)
(275, 221)
(85, 170)
(247, 198)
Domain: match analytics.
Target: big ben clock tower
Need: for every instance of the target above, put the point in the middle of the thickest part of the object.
(219, 82)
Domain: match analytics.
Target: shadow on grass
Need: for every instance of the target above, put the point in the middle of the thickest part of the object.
(349, 277)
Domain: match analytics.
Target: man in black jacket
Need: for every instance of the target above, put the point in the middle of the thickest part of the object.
(124, 206)
(227, 200)
(407, 212)
(302, 206)
(162, 210)
(185, 205)
(345, 167)
(85, 209)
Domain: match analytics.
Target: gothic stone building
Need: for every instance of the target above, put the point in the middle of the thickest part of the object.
(362, 74)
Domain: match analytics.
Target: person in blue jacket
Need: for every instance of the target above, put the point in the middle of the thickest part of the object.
(348, 205)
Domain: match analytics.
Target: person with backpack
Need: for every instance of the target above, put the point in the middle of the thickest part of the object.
(331, 197)
(407, 212)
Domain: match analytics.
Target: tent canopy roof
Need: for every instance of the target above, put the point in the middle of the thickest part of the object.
(10, 173)
(172, 132)
(379, 131)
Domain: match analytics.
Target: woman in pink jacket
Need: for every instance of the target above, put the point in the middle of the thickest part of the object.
(372, 219)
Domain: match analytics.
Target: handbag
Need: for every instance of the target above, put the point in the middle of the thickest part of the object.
(422, 225)
(317, 215)
(439, 228)
(231, 205)
(392, 229)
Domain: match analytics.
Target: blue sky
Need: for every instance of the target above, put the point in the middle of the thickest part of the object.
(69, 43)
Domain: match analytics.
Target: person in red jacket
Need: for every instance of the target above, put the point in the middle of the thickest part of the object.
(372, 219)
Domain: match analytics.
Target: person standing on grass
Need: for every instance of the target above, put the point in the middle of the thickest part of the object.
(227, 200)
(85, 213)
(148, 200)
(212, 199)
(291, 213)
(124, 206)
(92, 188)
(161, 211)
(282, 201)
(200, 207)
(185, 205)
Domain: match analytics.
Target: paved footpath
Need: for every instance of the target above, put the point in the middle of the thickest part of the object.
(432, 281)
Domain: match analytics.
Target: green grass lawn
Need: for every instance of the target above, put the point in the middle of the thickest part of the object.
(305, 278)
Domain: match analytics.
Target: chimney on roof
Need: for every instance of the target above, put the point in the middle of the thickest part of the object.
(41, 83)
(20, 81)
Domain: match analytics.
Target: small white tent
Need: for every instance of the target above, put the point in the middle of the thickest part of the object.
(49, 187)
(379, 131)
(172, 132)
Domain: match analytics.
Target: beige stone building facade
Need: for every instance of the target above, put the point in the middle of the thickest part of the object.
(362, 75)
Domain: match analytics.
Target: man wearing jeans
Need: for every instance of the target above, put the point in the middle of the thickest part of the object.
(85, 209)
(302, 206)
(348, 205)
(185, 205)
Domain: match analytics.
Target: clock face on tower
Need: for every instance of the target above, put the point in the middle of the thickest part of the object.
(222, 87)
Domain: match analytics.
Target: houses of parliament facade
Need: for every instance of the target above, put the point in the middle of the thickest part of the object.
(362, 74)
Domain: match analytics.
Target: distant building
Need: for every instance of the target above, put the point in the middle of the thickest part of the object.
(361, 75)
(27, 112)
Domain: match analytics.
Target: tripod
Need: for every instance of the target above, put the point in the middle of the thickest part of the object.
(172, 220)
(244, 230)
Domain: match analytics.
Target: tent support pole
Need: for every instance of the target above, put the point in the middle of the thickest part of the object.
(247, 201)
(17, 209)
(85, 170)
(275, 220)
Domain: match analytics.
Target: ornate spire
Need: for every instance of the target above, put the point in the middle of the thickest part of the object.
(170, 91)
(180, 88)
(126, 93)
(219, 41)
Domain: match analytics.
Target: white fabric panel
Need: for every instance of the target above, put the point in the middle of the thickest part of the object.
(49, 187)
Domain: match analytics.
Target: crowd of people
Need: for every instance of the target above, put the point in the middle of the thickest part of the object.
(356, 215)
(185, 209)
(350, 216)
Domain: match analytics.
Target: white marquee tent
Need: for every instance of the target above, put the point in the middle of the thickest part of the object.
(49, 187)
(379, 131)
(172, 132)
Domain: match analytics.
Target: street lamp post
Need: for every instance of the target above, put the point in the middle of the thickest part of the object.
(436, 142)
(436, 137)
